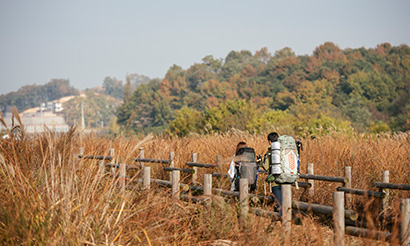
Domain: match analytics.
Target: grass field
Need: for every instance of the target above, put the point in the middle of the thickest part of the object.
(48, 197)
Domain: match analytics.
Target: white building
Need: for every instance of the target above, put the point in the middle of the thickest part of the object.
(36, 122)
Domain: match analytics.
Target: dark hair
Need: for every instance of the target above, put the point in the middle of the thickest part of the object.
(273, 137)
(240, 145)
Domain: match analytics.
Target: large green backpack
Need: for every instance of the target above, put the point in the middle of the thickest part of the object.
(289, 160)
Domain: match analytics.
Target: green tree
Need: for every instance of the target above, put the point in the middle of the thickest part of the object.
(187, 120)
(235, 62)
(127, 89)
(97, 108)
(113, 87)
(198, 74)
(274, 120)
(147, 110)
(229, 114)
(325, 125)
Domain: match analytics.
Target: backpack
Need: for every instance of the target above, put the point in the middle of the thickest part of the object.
(289, 158)
(247, 167)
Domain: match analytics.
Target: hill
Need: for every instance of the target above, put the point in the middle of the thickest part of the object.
(332, 89)
(99, 114)
(99, 102)
(99, 111)
(31, 96)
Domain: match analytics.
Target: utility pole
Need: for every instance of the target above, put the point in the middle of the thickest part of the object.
(82, 116)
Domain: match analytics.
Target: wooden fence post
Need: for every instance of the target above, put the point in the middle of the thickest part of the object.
(171, 163)
(219, 169)
(286, 212)
(338, 218)
(386, 179)
(142, 155)
(101, 168)
(219, 163)
(175, 183)
(244, 198)
(348, 175)
(208, 185)
(122, 175)
(113, 169)
(405, 221)
(146, 182)
(195, 174)
(311, 190)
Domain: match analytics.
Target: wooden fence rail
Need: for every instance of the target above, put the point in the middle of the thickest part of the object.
(340, 214)
(359, 192)
(382, 185)
(95, 157)
(164, 161)
(323, 209)
(343, 180)
(196, 164)
(184, 170)
(366, 233)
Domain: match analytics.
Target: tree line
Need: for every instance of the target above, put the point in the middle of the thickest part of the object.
(331, 90)
(31, 96)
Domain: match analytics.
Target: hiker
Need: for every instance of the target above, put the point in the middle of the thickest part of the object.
(233, 168)
(282, 161)
(267, 165)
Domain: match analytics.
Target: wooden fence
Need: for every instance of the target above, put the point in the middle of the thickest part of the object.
(342, 194)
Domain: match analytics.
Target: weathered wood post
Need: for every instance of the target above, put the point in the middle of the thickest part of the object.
(146, 181)
(348, 175)
(122, 175)
(338, 218)
(219, 168)
(286, 212)
(405, 221)
(175, 183)
(244, 198)
(101, 168)
(386, 179)
(113, 169)
(171, 163)
(142, 155)
(208, 185)
(195, 174)
(80, 152)
(219, 163)
(311, 190)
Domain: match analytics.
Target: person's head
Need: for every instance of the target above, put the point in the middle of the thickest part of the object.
(273, 137)
(240, 145)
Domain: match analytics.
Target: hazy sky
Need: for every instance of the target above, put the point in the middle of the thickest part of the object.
(86, 41)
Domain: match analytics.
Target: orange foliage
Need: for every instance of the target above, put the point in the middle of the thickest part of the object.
(249, 71)
(212, 102)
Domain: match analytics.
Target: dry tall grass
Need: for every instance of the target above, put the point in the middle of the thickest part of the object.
(48, 197)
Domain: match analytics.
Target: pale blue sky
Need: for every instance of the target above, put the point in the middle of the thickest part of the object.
(85, 41)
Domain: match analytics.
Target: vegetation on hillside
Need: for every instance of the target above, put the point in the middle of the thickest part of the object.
(31, 96)
(361, 89)
(115, 88)
(99, 111)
